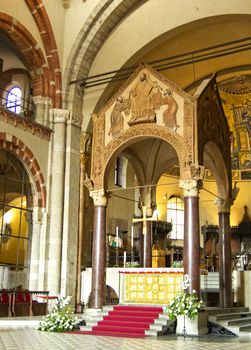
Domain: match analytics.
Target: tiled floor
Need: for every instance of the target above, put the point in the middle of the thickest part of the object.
(29, 339)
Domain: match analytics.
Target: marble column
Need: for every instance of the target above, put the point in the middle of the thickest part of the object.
(191, 252)
(98, 249)
(225, 257)
(147, 245)
(58, 122)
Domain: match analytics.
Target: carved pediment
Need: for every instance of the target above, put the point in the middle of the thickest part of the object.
(147, 97)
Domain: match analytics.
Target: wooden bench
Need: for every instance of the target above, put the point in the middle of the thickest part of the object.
(22, 303)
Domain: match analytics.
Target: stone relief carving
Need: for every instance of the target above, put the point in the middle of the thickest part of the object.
(141, 130)
(169, 114)
(142, 101)
(116, 117)
(98, 146)
(85, 143)
(188, 140)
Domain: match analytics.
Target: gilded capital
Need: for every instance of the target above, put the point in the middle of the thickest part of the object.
(99, 197)
(190, 187)
(223, 205)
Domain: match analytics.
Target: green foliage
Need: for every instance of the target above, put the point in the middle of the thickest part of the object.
(60, 319)
(132, 264)
(185, 303)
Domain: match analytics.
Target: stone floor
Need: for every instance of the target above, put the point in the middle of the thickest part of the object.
(15, 335)
(26, 339)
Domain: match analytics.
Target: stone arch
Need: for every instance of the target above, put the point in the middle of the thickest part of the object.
(16, 146)
(105, 16)
(41, 18)
(30, 51)
(136, 133)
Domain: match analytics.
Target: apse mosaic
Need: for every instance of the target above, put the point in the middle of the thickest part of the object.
(236, 100)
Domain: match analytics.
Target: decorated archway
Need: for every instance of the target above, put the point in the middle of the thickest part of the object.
(148, 106)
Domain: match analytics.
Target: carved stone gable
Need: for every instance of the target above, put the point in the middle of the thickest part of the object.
(147, 97)
(147, 104)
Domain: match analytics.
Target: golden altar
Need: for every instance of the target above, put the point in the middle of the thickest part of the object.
(150, 286)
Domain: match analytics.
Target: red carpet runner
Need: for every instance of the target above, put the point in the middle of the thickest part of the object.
(126, 321)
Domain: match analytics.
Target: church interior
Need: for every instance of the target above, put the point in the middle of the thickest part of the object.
(125, 143)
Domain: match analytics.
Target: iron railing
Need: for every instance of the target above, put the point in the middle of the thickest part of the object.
(25, 106)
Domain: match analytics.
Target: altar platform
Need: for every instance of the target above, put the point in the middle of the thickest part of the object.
(144, 286)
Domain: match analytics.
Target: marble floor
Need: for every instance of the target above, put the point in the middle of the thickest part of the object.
(32, 339)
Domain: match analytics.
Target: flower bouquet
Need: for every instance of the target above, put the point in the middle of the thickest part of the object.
(60, 319)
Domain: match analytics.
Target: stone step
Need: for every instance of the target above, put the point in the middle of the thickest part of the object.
(217, 310)
(160, 321)
(155, 327)
(229, 316)
(85, 328)
(152, 332)
(240, 321)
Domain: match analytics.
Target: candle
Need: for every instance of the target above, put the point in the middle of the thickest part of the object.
(117, 236)
(124, 258)
(132, 238)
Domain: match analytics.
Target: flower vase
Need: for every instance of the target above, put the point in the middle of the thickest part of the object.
(187, 326)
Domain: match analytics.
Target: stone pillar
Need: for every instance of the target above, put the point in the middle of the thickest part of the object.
(58, 121)
(191, 252)
(70, 209)
(98, 249)
(34, 251)
(42, 105)
(225, 256)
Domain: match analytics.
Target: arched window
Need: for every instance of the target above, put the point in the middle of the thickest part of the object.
(13, 99)
(15, 218)
(175, 214)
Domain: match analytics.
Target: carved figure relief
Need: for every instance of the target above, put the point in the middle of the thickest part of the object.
(116, 118)
(169, 114)
(141, 99)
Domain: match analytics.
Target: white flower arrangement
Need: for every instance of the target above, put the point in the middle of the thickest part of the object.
(60, 319)
(185, 303)
(132, 264)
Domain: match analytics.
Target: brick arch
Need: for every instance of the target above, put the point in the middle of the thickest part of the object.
(104, 17)
(16, 146)
(42, 20)
(30, 51)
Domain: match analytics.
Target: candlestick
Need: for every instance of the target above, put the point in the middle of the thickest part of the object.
(124, 258)
(117, 236)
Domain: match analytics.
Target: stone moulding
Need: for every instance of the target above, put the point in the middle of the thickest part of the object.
(25, 124)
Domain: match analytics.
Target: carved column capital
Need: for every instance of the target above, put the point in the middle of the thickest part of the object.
(59, 115)
(223, 205)
(99, 197)
(41, 100)
(190, 187)
(74, 119)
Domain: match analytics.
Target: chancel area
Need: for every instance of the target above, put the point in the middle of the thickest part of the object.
(125, 153)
